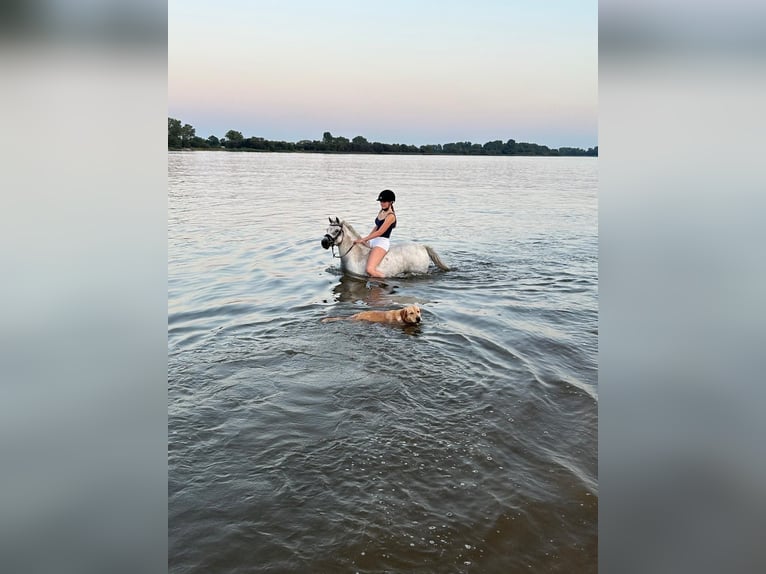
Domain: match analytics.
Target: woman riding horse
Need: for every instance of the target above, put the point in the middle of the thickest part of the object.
(379, 238)
(402, 258)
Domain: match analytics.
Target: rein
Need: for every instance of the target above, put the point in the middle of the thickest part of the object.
(347, 251)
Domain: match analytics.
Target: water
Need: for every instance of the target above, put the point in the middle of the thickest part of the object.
(465, 444)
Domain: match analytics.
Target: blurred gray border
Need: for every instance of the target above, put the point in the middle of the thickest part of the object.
(681, 203)
(83, 328)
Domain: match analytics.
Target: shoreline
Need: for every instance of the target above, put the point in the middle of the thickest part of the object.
(328, 152)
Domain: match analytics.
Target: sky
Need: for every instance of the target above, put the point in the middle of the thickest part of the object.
(401, 71)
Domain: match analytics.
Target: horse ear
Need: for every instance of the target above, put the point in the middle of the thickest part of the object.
(329, 219)
(337, 221)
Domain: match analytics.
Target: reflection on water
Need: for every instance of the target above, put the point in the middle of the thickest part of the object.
(355, 290)
(464, 444)
(371, 293)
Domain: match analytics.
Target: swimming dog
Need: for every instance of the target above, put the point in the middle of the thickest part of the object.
(409, 315)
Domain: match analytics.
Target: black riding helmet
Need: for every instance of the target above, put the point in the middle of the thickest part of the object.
(386, 195)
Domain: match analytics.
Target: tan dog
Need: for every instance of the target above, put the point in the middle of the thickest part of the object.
(409, 315)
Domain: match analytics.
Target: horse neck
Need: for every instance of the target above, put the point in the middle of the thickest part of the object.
(350, 232)
(347, 243)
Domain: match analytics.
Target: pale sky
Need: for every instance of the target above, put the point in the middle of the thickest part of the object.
(395, 71)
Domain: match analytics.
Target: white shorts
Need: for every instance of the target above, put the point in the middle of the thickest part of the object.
(380, 242)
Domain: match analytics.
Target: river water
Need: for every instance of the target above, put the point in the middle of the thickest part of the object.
(465, 444)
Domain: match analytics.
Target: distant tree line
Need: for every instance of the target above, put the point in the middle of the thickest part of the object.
(184, 137)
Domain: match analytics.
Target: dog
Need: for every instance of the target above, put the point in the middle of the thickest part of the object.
(409, 315)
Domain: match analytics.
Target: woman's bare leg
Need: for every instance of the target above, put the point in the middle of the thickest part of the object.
(373, 260)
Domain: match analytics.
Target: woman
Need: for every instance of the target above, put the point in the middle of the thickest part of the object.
(378, 238)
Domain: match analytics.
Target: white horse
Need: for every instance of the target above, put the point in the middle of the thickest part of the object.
(401, 258)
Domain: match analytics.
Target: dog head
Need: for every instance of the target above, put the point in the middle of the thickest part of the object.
(410, 315)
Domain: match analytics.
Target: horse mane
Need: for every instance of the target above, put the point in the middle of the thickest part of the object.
(350, 228)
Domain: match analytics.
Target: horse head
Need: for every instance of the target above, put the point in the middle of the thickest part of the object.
(334, 233)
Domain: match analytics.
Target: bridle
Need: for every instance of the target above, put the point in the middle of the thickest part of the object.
(332, 243)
